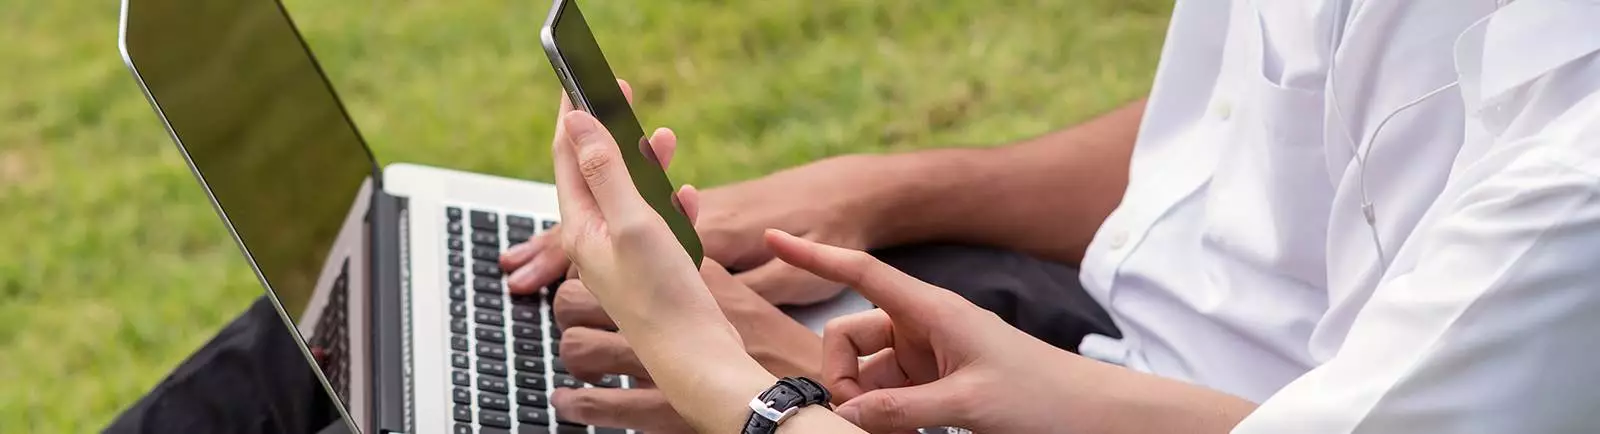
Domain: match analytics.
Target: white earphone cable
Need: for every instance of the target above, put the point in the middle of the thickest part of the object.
(1360, 151)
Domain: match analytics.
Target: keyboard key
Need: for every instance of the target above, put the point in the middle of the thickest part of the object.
(483, 238)
(555, 333)
(486, 269)
(462, 428)
(492, 367)
(515, 236)
(458, 326)
(493, 401)
(532, 398)
(526, 347)
(459, 360)
(460, 378)
(463, 413)
(555, 348)
(458, 309)
(491, 351)
(547, 224)
(529, 300)
(485, 253)
(609, 381)
(493, 430)
(458, 292)
(530, 382)
(532, 429)
(529, 364)
(558, 366)
(488, 301)
(568, 427)
(518, 221)
(565, 381)
(454, 243)
(533, 416)
(457, 260)
(454, 228)
(603, 430)
(461, 396)
(487, 285)
(525, 330)
(492, 384)
(488, 317)
(524, 313)
(486, 334)
(497, 419)
(457, 277)
(458, 343)
(452, 214)
(485, 220)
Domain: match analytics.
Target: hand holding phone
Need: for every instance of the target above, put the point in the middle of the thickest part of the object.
(591, 87)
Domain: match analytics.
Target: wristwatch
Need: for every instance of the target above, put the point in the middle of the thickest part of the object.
(782, 400)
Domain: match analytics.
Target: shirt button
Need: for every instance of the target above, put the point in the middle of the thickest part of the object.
(1222, 109)
(1119, 239)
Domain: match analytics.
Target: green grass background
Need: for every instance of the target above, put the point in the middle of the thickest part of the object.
(113, 266)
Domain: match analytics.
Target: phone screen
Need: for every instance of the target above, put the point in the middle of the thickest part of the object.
(593, 88)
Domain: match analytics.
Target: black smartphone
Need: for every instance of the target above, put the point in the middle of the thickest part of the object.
(592, 87)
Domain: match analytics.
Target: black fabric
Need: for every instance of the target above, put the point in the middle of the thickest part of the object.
(252, 379)
(1041, 298)
(249, 379)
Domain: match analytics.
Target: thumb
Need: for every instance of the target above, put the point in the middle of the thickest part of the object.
(890, 289)
(905, 408)
(600, 164)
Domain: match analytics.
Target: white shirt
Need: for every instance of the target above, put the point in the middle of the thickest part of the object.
(1240, 258)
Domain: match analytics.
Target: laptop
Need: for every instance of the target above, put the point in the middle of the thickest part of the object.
(388, 276)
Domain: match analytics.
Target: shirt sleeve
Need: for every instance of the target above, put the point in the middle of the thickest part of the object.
(1496, 327)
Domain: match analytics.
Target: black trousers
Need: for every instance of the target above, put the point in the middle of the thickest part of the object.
(252, 378)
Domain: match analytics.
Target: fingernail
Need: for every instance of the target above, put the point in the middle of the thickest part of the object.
(558, 398)
(516, 251)
(850, 414)
(577, 125)
(523, 276)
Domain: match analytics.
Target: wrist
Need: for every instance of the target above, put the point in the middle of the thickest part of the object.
(784, 347)
(901, 202)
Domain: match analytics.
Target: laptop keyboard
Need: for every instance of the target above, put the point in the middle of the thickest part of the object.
(331, 337)
(503, 348)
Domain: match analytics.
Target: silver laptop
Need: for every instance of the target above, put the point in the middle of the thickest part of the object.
(389, 275)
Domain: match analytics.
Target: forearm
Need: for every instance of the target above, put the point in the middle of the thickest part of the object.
(696, 359)
(1045, 196)
(1109, 399)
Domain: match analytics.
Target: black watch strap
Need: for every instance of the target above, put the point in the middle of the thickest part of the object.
(782, 400)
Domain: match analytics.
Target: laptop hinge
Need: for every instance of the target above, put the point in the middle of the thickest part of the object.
(389, 379)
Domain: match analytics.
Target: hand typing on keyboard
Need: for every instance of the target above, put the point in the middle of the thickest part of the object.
(591, 351)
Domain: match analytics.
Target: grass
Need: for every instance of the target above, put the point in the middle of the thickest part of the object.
(113, 266)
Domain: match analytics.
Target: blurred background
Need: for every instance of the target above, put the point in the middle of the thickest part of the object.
(113, 266)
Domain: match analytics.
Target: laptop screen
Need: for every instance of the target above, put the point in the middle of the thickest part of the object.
(264, 131)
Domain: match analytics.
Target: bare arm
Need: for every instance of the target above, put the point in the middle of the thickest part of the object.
(1046, 196)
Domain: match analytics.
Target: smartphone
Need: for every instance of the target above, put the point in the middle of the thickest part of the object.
(592, 87)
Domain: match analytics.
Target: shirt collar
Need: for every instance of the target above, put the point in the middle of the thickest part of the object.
(1521, 42)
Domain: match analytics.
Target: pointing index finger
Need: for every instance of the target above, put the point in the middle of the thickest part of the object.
(890, 289)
